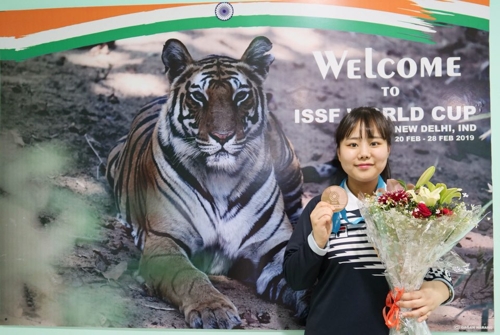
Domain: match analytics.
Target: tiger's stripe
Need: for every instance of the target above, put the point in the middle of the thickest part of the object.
(208, 182)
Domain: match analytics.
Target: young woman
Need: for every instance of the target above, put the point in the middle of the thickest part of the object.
(342, 269)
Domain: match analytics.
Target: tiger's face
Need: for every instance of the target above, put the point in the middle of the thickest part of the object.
(223, 115)
(217, 109)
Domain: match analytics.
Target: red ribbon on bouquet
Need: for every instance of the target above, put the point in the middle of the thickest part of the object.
(392, 317)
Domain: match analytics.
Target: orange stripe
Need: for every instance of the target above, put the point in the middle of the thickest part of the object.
(479, 2)
(18, 23)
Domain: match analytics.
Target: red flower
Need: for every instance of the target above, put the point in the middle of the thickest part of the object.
(422, 211)
(394, 198)
(446, 211)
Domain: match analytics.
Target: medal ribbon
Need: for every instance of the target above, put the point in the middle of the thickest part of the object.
(392, 317)
(336, 216)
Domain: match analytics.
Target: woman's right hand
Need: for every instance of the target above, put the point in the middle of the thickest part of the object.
(321, 221)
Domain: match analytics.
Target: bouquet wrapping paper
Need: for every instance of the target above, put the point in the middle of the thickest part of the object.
(409, 244)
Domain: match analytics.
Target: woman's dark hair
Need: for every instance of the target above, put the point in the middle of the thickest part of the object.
(368, 117)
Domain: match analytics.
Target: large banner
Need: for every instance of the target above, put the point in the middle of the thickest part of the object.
(77, 224)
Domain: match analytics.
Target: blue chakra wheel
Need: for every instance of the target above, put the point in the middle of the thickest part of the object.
(224, 11)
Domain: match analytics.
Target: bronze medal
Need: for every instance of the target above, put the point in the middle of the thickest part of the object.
(335, 196)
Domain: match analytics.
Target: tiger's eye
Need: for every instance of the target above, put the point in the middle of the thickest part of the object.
(198, 96)
(241, 96)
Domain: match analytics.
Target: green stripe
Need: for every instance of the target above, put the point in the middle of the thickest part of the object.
(213, 22)
(450, 18)
(332, 24)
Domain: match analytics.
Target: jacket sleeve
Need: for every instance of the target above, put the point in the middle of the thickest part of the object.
(301, 264)
(444, 276)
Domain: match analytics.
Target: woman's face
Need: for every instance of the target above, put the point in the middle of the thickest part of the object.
(363, 158)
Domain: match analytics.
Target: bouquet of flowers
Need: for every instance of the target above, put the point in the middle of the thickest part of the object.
(414, 228)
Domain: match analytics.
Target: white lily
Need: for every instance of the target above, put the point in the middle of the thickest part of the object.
(426, 196)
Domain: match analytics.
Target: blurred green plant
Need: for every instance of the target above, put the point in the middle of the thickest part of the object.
(39, 224)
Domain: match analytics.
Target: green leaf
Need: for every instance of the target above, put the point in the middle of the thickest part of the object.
(449, 194)
(425, 177)
(442, 185)
(430, 186)
(443, 192)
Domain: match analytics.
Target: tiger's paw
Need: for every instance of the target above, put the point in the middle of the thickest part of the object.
(302, 304)
(218, 313)
(299, 301)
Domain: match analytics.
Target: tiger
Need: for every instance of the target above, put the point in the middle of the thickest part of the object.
(210, 184)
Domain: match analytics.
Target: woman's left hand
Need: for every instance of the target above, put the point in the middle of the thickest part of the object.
(424, 301)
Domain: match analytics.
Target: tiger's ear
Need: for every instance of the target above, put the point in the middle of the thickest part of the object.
(255, 55)
(175, 57)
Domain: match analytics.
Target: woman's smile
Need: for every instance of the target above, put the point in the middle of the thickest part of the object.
(363, 166)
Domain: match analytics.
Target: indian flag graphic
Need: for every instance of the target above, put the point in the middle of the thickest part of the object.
(29, 33)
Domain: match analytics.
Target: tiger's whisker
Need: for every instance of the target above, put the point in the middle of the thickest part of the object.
(101, 162)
